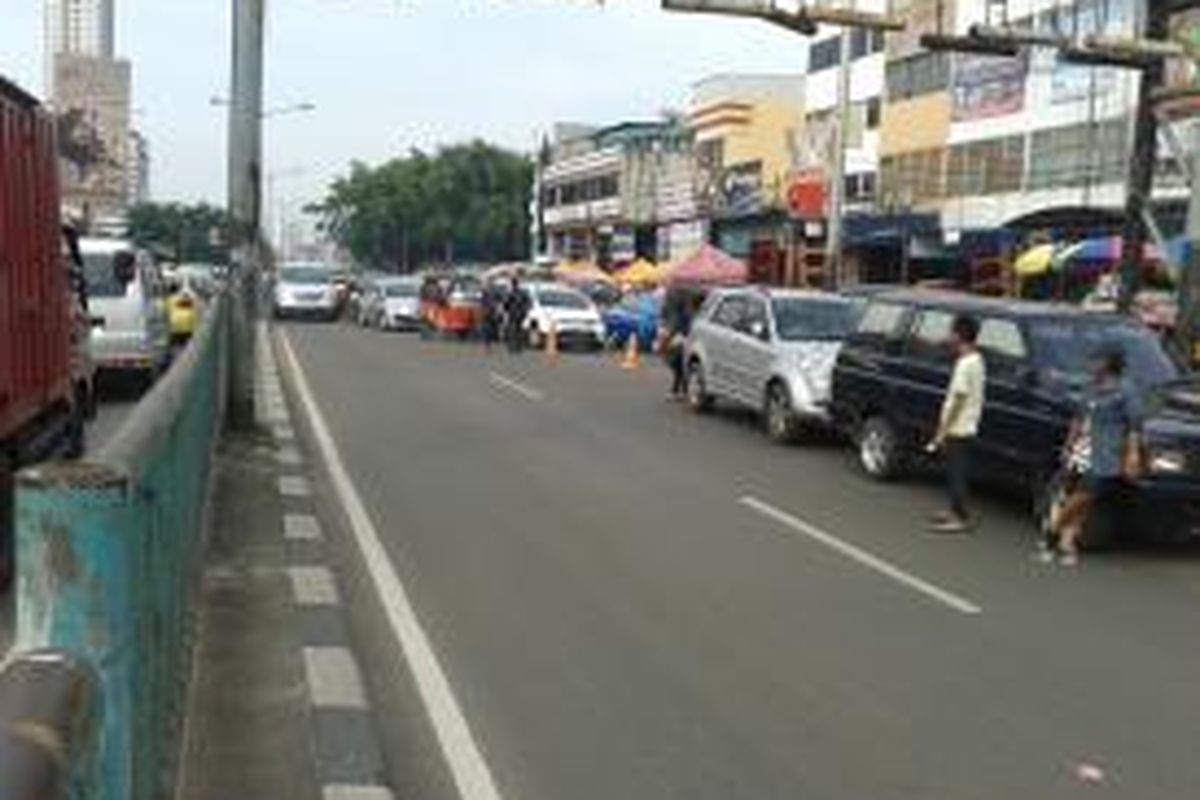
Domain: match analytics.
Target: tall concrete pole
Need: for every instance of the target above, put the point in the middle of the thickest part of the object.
(1155, 24)
(837, 187)
(244, 202)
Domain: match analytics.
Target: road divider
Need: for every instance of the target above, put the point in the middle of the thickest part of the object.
(471, 774)
(863, 557)
(528, 392)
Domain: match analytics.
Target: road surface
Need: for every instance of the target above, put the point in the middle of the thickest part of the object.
(627, 600)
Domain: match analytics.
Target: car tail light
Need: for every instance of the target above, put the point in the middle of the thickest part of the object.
(184, 302)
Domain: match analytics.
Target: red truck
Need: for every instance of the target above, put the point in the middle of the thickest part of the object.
(42, 406)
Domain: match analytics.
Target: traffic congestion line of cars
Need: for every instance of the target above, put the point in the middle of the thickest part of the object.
(875, 368)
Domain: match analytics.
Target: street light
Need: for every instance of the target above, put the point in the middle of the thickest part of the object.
(277, 111)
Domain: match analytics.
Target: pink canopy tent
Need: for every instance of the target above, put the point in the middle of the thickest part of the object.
(708, 266)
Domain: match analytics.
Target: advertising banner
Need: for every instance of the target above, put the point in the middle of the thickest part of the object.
(987, 86)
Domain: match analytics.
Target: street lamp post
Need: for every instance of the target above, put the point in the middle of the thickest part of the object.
(244, 203)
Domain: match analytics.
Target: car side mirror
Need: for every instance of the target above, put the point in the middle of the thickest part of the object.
(758, 329)
(124, 266)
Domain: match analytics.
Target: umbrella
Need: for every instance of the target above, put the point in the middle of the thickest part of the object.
(1034, 261)
(1104, 249)
(579, 273)
(640, 272)
(708, 266)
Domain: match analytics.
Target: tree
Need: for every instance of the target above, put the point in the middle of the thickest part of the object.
(185, 233)
(466, 202)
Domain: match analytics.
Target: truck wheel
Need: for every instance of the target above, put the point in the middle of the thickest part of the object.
(880, 449)
(77, 427)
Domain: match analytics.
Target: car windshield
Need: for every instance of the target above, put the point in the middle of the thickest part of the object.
(1066, 345)
(401, 290)
(559, 298)
(98, 271)
(305, 276)
(800, 319)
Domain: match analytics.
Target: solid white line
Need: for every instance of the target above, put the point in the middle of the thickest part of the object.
(869, 560)
(467, 766)
(333, 678)
(301, 527)
(313, 586)
(337, 791)
(528, 392)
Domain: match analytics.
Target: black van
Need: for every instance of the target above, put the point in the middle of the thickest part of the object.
(891, 376)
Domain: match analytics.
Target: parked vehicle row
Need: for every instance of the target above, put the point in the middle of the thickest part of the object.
(875, 367)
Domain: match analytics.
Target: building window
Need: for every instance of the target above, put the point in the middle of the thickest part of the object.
(991, 166)
(873, 113)
(1075, 155)
(824, 54)
(860, 187)
(911, 178)
(924, 73)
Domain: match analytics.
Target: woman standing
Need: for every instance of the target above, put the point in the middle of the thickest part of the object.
(1102, 450)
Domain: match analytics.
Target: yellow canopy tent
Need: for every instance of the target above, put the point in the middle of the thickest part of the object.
(641, 273)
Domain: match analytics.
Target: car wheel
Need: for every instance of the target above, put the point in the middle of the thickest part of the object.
(778, 416)
(880, 450)
(697, 388)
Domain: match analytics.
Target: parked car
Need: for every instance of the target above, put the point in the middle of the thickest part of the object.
(635, 314)
(392, 304)
(127, 300)
(571, 312)
(771, 350)
(451, 304)
(305, 290)
(892, 373)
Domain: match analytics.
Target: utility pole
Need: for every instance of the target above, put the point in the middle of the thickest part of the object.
(244, 202)
(1143, 155)
(837, 183)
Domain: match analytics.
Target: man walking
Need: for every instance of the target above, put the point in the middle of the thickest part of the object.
(959, 422)
(516, 307)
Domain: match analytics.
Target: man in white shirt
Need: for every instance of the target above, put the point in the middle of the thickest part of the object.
(959, 422)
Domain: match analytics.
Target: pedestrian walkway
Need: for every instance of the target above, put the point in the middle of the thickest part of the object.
(279, 707)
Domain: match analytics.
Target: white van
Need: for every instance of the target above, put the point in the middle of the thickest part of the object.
(127, 304)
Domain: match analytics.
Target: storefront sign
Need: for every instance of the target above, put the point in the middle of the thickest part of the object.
(807, 194)
(741, 189)
(988, 86)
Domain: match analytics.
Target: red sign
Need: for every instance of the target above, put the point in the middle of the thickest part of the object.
(806, 195)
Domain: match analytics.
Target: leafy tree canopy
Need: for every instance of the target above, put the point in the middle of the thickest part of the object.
(185, 233)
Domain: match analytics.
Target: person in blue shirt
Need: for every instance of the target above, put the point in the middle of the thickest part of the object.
(1097, 451)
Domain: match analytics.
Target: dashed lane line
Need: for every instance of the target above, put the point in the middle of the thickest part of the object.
(862, 557)
(528, 392)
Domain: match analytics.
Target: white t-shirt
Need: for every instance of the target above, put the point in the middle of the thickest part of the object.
(967, 381)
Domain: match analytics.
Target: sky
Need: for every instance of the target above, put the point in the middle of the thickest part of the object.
(389, 75)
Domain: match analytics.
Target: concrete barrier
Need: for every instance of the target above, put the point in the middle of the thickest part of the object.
(108, 558)
(49, 709)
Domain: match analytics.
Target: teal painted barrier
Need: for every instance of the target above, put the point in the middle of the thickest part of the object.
(108, 560)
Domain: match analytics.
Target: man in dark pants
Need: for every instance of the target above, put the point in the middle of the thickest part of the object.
(516, 307)
(959, 423)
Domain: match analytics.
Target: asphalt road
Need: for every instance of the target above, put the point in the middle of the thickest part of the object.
(631, 601)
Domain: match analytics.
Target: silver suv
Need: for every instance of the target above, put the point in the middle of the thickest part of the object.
(771, 350)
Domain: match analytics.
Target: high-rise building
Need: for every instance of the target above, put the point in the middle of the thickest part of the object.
(78, 27)
(137, 169)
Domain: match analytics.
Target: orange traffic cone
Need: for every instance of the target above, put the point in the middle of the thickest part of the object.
(633, 353)
(552, 341)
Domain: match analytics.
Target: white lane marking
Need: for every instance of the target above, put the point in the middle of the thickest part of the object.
(313, 586)
(863, 557)
(528, 392)
(301, 527)
(294, 486)
(289, 456)
(470, 771)
(333, 678)
(339, 791)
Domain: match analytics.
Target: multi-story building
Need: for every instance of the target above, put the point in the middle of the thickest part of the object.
(78, 27)
(137, 171)
(93, 104)
(747, 130)
(612, 194)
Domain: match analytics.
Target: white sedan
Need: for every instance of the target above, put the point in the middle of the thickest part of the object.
(572, 314)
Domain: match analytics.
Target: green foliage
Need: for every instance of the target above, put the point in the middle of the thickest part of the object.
(466, 203)
(185, 233)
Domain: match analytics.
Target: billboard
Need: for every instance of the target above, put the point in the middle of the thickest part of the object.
(986, 86)
(1070, 83)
